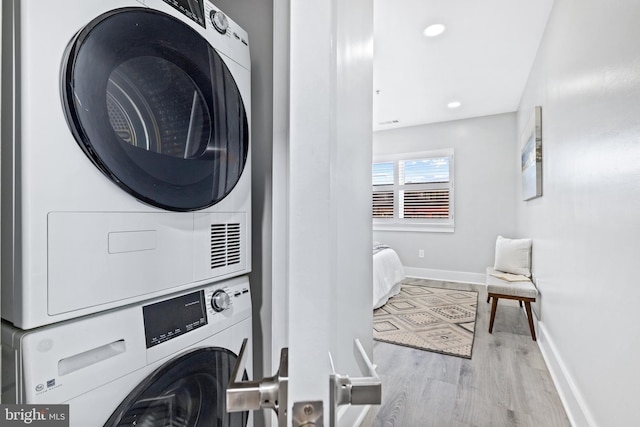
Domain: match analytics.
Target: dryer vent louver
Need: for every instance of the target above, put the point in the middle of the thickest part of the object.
(225, 245)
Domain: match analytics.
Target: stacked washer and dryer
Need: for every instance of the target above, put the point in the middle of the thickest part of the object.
(126, 197)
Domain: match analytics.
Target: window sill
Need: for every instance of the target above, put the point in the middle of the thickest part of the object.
(415, 228)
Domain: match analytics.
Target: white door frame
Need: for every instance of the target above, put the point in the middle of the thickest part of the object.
(323, 56)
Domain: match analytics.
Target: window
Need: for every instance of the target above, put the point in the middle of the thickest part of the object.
(413, 191)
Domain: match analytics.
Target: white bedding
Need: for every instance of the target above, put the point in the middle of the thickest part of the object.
(387, 274)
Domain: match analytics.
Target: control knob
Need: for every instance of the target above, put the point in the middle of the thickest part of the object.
(219, 21)
(220, 301)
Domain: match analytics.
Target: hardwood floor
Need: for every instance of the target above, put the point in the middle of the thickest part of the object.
(505, 383)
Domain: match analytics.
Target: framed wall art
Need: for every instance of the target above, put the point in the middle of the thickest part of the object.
(531, 156)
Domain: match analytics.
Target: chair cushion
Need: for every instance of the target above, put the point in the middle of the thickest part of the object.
(514, 289)
(513, 256)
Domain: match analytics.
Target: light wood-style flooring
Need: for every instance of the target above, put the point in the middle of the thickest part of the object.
(505, 383)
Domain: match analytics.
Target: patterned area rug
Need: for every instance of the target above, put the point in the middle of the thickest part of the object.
(432, 319)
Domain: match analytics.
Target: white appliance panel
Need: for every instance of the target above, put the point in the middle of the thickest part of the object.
(52, 268)
(109, 251)
(93, 363)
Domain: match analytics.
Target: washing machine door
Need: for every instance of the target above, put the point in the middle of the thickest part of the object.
(189, 391)
(156, 109)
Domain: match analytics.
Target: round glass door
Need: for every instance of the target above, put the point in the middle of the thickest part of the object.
(189, 391)
(155, 108)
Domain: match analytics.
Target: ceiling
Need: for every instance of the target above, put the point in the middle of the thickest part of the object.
(482, 59)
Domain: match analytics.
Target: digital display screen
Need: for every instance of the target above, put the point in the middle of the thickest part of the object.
(171, 318)
(192, 9)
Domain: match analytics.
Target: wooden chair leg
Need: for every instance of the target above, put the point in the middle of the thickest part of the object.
(527, 305)
(494, 305)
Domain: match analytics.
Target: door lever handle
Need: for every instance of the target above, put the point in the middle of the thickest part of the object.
(270, 392)
(365, 390)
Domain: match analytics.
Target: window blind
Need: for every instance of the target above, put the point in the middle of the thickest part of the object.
(383, 204)
(425, 204)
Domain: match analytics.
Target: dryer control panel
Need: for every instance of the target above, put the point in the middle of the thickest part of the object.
(192, 9)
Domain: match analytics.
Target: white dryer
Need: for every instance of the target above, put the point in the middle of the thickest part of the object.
(125, 153)
(164, 362)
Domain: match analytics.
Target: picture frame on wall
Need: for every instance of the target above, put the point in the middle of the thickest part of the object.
(531, 156)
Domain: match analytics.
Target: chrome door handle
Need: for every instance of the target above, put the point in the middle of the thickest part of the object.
(270, 392)
(365, 390)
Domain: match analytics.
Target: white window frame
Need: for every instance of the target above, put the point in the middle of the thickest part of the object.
(441, 225)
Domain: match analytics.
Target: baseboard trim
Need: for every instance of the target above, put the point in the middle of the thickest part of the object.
(446, 275)
(571, 398)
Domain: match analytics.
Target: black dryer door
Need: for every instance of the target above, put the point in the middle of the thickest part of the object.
(189, 391)
(156, 109)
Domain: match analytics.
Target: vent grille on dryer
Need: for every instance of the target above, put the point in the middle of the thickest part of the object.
(233, 244)
(225, 245)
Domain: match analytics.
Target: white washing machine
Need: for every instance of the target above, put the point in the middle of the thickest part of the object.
(164, 362)
(125, 153)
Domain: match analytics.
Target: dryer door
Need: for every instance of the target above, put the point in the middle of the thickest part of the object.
(156, 109)
(188, 391)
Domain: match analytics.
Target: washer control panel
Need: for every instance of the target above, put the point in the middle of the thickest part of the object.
(173, 317)
(204, 310)
(222, 299)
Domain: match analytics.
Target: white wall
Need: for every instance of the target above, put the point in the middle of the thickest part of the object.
(484, 195)
(586, 226)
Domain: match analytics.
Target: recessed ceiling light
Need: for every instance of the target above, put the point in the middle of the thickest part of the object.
(434, 30)
(454, 104)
